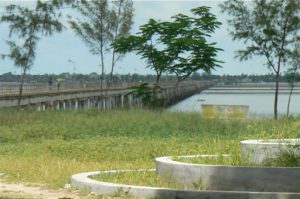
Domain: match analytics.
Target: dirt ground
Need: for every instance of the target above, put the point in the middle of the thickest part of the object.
(21, 191)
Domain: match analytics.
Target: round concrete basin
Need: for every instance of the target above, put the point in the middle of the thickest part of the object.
(83, 181)
(258, 151)
(231, 178)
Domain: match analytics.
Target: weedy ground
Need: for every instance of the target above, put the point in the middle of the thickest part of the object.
(48, 147)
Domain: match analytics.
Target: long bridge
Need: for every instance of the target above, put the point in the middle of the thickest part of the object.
(89, 95)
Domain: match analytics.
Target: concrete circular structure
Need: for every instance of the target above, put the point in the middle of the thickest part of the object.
(83, 181)
(213, 181)
(258, 151)
(230, 178)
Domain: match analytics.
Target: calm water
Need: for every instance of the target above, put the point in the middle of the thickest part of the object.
(259, 104)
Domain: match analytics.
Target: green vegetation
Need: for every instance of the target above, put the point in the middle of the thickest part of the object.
(269, 29)
(100, 24)
(178, 46)
(29, 26)
(48, 147)
(135, 177)
(94, 77)
(283, 159)
(232, 160)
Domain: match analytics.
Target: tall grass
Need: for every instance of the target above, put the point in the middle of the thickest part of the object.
(48, 147)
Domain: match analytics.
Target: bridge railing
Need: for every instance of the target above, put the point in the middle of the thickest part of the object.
(12, 88)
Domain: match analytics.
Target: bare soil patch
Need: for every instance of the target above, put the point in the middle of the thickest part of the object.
(22, 191)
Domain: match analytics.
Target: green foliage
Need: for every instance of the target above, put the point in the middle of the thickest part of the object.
(285, 158)
(268, 29)
(100, 24)
(292, 74)
(179, 46)
(92, 27)
(29, 25)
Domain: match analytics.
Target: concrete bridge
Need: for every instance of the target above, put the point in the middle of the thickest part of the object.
(90, 96)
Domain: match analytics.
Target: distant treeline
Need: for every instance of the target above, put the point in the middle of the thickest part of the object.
(93, 77)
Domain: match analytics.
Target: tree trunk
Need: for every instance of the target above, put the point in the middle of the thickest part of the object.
(113, 62)
(289, 101)
(276, 95)
(21, 88)
(102, 75)
(158, 75)
(111, 72)
(102, 29)
(177, 83)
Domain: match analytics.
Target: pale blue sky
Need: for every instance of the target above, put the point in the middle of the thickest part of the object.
(54, 52)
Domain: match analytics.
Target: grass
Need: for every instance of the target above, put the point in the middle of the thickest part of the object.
(282, 159)
(141, 178)
(48, 147)
(232, 160)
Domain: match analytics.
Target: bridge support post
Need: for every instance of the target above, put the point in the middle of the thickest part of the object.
(88, 103)
(122, 101)
(76, 103)
(39, 107)
(57, 105)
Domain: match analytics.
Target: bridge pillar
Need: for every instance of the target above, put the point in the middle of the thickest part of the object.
(57, 105)
(76, 104)
(88, 103)
(122, 101)
(129, 100)
(39, 107)
(104, 103)
(84, 103)
(110, 102)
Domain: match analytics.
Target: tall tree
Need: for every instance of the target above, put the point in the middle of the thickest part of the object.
(187, 44)
(146, 44)
(292, 74)
(269, 28)
(27, 26)
(121, 15)
(100, 24)
(92, 28)
(179, 46)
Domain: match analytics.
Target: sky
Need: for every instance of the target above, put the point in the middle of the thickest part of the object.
(54, 52)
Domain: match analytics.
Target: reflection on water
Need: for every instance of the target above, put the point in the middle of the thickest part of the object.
(259, 104)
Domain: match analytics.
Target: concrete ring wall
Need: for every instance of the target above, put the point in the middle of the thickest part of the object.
(257, 151)
(231, 178)
(82, 180)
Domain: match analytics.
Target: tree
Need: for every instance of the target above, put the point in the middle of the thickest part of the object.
(99, 26)
(148, 94)
(29, 25)
(269, 28)
(146, 43)
(187, 44)
(121, 22)
(293, 75)
(179, 46)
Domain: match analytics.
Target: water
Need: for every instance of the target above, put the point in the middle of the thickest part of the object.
(259, 104)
